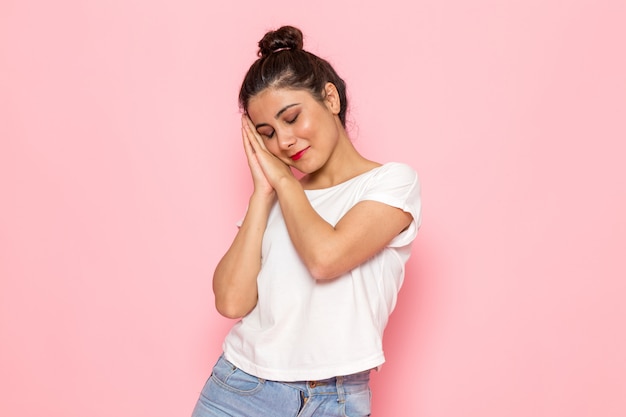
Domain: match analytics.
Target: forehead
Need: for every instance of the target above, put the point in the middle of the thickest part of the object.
(274, 99)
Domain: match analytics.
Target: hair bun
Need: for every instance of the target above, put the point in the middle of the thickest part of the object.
(285, 37)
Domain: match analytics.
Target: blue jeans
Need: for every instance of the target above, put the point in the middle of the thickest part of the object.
(230, 392)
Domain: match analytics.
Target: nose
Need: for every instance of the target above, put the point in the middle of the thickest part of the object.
(286, 140)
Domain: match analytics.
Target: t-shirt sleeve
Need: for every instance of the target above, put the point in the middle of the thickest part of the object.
(397, 185)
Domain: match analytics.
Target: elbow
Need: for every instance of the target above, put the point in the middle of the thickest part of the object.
(227, 312)
(324, 271)
(230, 312)
(329, 264)
(232, 309)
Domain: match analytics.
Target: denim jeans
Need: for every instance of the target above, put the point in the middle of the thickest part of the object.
(230, 392)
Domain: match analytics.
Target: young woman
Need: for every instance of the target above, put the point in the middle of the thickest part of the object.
(316, 266)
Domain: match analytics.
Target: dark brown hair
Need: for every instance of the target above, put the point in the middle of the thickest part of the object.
(283, 63)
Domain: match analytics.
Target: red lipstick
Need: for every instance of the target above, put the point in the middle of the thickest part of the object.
(298, 155)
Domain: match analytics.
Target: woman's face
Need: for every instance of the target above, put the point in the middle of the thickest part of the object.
(298, 129)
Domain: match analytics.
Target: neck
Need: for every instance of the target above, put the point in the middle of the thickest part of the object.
(344, 163)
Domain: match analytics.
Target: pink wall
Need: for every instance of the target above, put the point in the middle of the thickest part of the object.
(121, 178)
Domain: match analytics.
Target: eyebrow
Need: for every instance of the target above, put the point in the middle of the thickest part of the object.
(281, 111)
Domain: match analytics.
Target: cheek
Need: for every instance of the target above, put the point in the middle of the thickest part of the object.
(306, 129)
(272, 146)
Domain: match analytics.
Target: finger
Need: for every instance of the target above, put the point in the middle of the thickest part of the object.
(251, 155)
(248, 148)
(247, 134)
(246, 139)
(253, 134)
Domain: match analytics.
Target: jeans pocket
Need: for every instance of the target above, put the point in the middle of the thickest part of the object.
(235, 380)
(358, 404)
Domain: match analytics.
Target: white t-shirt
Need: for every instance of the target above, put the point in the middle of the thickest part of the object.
(303, 329)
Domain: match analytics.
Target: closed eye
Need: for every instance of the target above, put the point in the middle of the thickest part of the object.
(292, 121)
(266, 134)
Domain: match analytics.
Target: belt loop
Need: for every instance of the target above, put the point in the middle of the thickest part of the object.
(341, 397)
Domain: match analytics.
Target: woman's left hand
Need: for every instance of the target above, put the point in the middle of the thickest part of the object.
(274, 169)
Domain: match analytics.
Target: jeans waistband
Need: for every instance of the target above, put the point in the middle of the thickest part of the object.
(344, 384)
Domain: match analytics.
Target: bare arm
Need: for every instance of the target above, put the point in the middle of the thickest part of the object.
(234, 279)
(327, 251)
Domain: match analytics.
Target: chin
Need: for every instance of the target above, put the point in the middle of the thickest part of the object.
(301, 170)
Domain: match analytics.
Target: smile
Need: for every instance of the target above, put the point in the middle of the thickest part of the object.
(298, 155)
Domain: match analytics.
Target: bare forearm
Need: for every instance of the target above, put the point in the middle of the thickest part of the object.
(234, 279)
(331, 250)
(311, 235)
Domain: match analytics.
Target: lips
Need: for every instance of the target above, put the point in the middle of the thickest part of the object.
(298, 155)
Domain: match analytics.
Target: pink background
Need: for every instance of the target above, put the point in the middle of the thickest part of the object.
(122, 177)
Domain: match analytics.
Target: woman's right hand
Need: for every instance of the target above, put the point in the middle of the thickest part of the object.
(261, 184)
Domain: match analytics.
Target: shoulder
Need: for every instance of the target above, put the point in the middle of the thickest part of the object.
(396, 172)
(397, 184)
(393, 182)
(399, 168)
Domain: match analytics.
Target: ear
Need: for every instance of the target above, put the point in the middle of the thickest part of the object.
(331, 98)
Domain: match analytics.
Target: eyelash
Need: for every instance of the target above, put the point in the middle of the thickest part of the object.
(290, 122)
